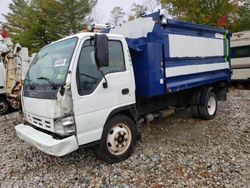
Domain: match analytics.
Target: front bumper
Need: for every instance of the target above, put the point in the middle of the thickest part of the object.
(46, 142)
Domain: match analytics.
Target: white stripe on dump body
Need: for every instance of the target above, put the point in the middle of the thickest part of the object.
(191, 46)
(194, 69)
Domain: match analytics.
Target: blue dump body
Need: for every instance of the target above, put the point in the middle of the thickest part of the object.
(173, 56)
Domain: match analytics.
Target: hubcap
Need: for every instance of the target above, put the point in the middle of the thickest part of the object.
(3, 107)
(211, 105)
(119, 139)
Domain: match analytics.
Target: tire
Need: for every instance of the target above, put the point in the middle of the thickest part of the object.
(118, 139)
(4, 106)
(208, 108)
(195, 111)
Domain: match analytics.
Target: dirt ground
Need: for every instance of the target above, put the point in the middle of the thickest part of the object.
(178, 151)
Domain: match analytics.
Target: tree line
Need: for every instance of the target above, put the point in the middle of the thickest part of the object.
(36, 23)
(229, 14)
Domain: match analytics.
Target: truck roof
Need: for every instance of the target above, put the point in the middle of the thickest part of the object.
(82, 35)
(85, 34)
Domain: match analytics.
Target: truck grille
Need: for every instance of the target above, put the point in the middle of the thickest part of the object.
(41, 122)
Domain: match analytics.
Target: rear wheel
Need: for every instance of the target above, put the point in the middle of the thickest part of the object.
(209, 108)
(118, 139)
(4, 106)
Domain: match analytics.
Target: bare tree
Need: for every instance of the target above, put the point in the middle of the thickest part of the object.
(117, 15)
(137, 10)
(97, 16)
(151, 4)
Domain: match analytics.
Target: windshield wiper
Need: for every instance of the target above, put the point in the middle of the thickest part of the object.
(30, 82)
(49, 81)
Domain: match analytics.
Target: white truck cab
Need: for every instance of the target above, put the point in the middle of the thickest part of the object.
(69, 98)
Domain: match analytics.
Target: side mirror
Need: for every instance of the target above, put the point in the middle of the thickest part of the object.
(101, 50)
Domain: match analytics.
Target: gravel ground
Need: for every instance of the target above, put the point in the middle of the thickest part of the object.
(174, 152)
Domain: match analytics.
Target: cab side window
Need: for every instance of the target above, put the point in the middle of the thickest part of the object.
(116, 58)
(88, 76)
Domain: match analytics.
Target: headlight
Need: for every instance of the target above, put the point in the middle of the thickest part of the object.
(65, 126)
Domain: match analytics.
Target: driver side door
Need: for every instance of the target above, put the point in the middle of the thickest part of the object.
(92, 102)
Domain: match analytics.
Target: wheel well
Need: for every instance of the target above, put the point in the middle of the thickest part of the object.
(221, 89)
(198, 95)
(129, 111)
(126, 113)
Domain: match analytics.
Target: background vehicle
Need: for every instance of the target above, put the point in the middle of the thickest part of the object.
(240, 49)
(14, 63)
(94, 89)
(4, 104)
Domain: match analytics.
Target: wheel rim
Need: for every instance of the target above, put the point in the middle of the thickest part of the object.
(211, 105)
(119, 139)
(3, 107)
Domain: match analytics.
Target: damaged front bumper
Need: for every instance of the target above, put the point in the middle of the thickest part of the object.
(46, 142)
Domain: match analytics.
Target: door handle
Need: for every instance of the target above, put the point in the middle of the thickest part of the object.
(125, 91)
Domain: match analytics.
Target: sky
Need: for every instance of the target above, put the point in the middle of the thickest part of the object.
(4, 4)
(102, 9)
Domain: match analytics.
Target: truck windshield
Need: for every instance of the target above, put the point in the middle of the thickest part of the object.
(50, 66)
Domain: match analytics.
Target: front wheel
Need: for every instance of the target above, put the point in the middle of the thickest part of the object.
(118, 139)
